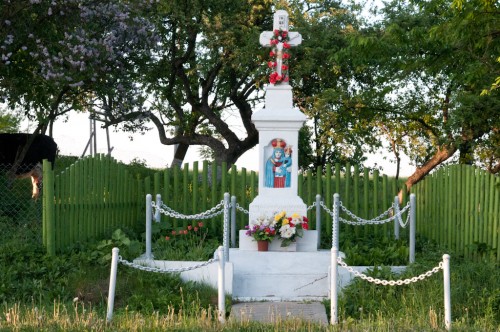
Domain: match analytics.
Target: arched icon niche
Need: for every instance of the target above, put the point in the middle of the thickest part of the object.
(278, 167)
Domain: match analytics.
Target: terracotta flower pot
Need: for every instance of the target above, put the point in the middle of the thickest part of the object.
(262, 245)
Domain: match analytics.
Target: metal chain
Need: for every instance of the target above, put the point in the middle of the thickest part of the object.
(238, 207)
(203, 215)
(310, 207)
(390, 282)
(375, 221)
(159, 270)
(330, 212)
(403, 224)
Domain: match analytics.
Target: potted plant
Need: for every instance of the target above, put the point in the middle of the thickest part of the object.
(263, 231)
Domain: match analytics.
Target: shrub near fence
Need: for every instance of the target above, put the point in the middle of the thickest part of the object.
(458, 206)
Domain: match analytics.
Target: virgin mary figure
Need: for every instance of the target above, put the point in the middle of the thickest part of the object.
(276, 167)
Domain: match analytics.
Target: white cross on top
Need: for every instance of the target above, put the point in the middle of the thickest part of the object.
(280, 24)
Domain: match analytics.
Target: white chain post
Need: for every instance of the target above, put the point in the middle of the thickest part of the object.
(318, 218)
(413, 206)
(447, 291)
(333, 287)
(396, 221)
(157, 212)
(233, 221)
(335, 222)
(149, 217)
(112, 283)
(221, 285)
(225, 234)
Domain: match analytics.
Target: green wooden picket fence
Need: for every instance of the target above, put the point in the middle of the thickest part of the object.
(95, 195)
(458, 206)
(88, 200)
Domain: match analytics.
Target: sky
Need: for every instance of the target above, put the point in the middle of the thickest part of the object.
(71, 137)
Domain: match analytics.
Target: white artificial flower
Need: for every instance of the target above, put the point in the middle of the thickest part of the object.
(286, 231)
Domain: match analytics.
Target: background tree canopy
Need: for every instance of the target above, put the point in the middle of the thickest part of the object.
(420, 75)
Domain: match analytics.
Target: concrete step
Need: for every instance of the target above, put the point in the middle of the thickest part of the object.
(273, 312)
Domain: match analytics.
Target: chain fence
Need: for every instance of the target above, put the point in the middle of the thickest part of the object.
(400, 282)
(146, 268)
(20, 214)
(168, 211)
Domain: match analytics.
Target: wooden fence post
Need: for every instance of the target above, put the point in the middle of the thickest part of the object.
(48, 199)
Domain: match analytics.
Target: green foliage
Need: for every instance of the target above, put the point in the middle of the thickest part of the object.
(371, 251)
(128, 248)
(426, 65)
(9, 123)
(192, 243)
(27, 273)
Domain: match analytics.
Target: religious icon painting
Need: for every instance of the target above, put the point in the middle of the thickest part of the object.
(278, 164)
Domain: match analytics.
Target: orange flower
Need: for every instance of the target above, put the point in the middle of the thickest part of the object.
(190, 227)
(167, 238)
(200, 224)
(174, 232)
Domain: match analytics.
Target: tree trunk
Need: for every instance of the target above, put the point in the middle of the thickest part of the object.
(441, 155)
(180, 152)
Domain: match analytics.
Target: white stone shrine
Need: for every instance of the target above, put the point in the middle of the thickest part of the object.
(278, 124)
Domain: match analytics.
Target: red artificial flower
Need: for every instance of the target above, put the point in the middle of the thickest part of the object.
(285, 79)
(305, 219)
(286, 45)
(305, 226)
(279, 77)
(274, 42)
(291, 224)
(272, 54)
(284, 67)
(276, 32)
(286, 55)
(273, 78)
(284, 34)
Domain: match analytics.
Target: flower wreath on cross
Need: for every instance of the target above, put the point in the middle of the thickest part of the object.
(279, 36)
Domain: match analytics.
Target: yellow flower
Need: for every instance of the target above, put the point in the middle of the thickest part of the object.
(279, 215)
(295, 216)
(284, 221)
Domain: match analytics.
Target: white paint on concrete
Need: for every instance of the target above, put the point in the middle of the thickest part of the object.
(205, 274)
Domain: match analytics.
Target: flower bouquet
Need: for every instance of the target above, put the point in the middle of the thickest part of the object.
(262, 230)
(289, 228)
